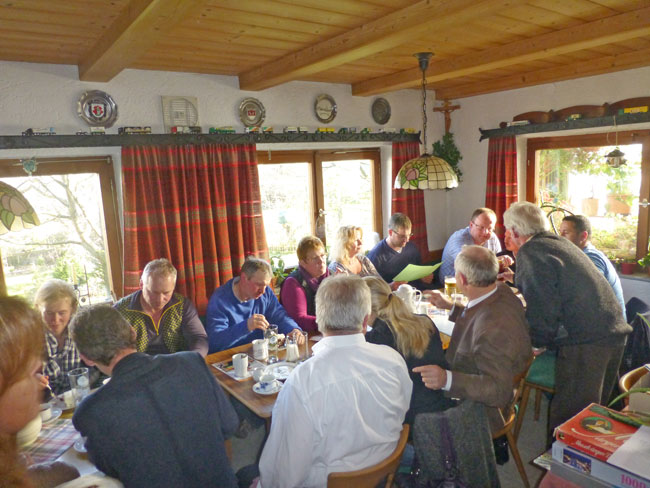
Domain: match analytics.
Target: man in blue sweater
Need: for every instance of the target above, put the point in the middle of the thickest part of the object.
(243, 308)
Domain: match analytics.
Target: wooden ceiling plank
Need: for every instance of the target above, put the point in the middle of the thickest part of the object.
(243, 31)
(391, 30)
(133, 33)
(591, 67)
(604, 31)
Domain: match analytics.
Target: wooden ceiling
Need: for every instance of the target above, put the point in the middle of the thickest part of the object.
(480, 46)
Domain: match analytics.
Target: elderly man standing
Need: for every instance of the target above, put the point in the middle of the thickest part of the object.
(164, 321)
(343, 409)
(243, 308)
(393, 254)
(161, 420)
(577, 229)
(490, 343)
(571, 308)
(479, 232)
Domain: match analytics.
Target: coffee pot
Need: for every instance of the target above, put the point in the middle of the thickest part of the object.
(410, 296)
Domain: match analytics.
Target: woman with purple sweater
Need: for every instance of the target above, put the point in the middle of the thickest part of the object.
(299, 289)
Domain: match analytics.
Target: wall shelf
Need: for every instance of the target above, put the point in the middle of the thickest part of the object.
(34, 142)
(623, 119)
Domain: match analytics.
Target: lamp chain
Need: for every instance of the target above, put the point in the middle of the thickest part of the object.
(424, 107)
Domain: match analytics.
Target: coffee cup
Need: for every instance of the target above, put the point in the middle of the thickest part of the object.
(268, 382)
(240, 362)
(257, 373)
(260, 349)
(45, 411)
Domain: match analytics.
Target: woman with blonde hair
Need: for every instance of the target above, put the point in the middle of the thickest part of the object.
(415, 337)
(346, 253)
(57, 302)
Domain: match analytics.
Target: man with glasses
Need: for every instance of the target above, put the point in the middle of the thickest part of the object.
(393, 254)
(480, 232)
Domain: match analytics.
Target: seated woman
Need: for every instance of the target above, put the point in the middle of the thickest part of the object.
(299, 289)
(415, 337)
(346, 253)
(21, 388)
(57, 302)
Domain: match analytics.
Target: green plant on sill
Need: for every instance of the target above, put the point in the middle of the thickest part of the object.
(278, 268)
(645, 261)
(446, 149)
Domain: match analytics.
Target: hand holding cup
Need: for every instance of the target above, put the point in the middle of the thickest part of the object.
(437, 299)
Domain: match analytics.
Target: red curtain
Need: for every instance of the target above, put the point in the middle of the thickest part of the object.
(501, 188)
(198, 206)
(410, 202)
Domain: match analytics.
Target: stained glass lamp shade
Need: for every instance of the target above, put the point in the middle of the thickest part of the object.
(426, 173)
(16, 213)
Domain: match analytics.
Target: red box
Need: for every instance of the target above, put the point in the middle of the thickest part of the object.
(596, 431)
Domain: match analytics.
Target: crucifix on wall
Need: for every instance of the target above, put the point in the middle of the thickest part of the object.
(446, 108)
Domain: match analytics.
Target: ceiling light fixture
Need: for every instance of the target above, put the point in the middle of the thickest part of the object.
(425, 172)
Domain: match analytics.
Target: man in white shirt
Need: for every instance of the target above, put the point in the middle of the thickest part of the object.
(342, 410)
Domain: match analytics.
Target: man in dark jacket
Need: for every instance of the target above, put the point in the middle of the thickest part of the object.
(571, 308)
(161, 420)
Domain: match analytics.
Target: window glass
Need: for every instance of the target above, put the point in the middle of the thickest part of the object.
(70, 243)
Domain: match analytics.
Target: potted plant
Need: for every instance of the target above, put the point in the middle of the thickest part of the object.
(628, 266)
(645, 261)
(279, 274)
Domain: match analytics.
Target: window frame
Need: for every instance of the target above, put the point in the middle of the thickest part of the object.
(103, 167)
(315, 160)
(591, 140)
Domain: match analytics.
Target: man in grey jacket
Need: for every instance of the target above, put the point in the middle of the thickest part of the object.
(571, 308)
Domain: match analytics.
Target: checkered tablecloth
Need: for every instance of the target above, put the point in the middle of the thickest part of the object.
(55, 438)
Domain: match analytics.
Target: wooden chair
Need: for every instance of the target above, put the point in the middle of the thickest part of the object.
(626, 382)
(510, 416)
(371, 476)
(541, 378)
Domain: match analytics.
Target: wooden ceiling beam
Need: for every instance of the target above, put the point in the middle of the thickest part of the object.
(617, 28)
(601, 65)
(134, 32)
(392, 30)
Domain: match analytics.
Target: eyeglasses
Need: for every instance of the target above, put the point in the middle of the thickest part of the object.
(317, 259)
(483, 229)
(403, 236)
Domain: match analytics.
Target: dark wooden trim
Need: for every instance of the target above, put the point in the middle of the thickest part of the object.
(435, 255)
(33, 142)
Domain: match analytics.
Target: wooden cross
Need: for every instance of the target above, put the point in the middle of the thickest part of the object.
(447, 108)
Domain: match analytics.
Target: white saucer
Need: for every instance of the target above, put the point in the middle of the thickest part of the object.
(281, 370)
(258, 389)
(56, 413)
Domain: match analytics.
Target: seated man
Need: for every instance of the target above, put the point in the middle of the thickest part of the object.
(393, 254)
(343, 409)
(480, 232)
(577, 229)
(164, 321)
(490, 342)
(240, 310)
(160, 420)
(570, 307)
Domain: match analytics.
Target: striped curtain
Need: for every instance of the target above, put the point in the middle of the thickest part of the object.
(410, 202)
(501, 188)
(198, 206)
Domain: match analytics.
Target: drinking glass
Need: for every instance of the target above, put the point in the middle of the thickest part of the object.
(450, 285)
(304, 349)
(79, 383)
(271, 334)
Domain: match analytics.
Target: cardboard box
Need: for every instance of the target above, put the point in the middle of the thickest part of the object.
(595, 431)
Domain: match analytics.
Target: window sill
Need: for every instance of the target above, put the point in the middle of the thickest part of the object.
(635, 276)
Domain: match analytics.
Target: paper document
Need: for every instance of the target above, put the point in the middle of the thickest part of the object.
(634, 454)
(413, 272)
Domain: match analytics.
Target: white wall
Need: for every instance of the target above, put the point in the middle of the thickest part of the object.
(487, 111)
(44, 95)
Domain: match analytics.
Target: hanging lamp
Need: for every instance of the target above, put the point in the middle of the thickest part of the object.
(616, 158)
(425, 172)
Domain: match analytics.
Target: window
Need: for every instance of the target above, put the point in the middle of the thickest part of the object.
(343, 187)
(572, 172)
(78, 241)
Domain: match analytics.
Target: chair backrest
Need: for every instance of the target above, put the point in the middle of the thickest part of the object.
(509, 413)
(369, 477)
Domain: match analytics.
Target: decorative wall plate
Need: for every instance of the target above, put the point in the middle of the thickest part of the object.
(381, 111)
(325, 108)
(251, 112)
(97, 108)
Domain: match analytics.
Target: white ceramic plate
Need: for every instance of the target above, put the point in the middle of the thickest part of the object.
(281, 370)
(258, 389)
(56, 413)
